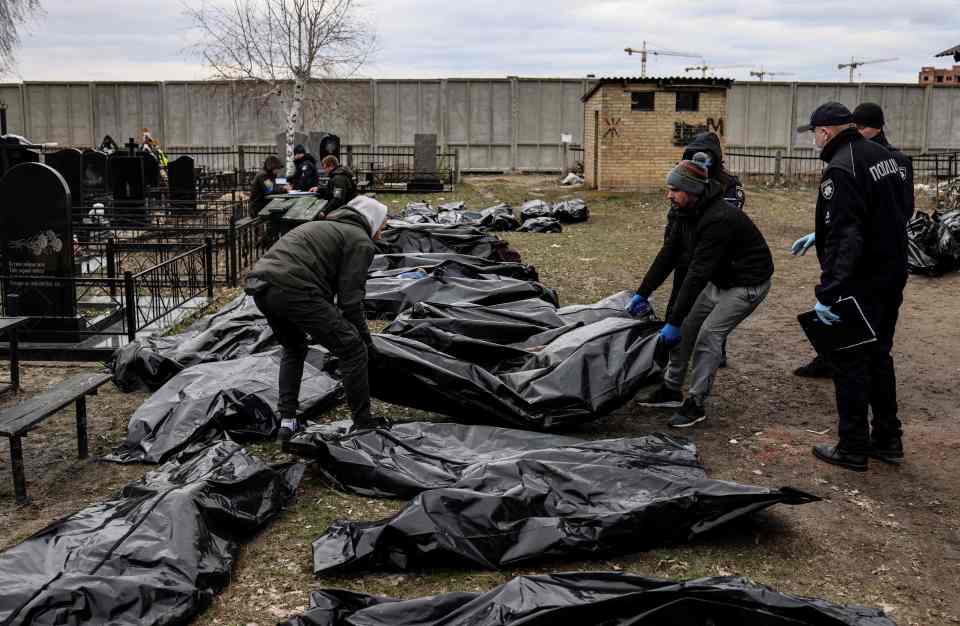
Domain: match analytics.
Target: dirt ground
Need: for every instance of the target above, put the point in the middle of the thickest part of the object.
(889, 538)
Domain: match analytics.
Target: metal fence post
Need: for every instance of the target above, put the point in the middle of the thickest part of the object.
(778, 167)
(232, 256)
(112, 267)
(208, 250)
(130, 305)
(241, 165)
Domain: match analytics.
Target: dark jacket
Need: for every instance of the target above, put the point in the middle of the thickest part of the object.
(324, 259)
(906, 174)
(263, 185)
(861, 224)
(727, 250)
(305, 176)
(341, 188)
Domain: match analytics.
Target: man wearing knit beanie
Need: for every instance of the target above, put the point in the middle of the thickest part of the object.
(690, 176)
(727, 279)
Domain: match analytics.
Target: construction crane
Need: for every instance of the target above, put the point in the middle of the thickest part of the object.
(761, 73)
(707, 68)
(854, 64)
(644, 51)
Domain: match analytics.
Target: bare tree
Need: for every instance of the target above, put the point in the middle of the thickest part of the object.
(271, 43)
(13, 15)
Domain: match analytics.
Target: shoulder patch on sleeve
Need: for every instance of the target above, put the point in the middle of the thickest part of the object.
(826, 189)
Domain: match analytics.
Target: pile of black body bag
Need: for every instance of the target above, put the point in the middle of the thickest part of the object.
(535, 216)
(933, 243)
(473, 336)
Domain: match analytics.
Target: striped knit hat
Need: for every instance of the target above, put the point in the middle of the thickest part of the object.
(690, 176)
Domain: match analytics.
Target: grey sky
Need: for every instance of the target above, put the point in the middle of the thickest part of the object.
(146, 40)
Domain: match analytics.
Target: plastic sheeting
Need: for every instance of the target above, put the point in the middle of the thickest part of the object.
(933, 243)
(402, 237)
(236, 330)
(568, 210)
(156, 554)
(541, 225)
(591, 599)
(237, 397)
(386, 265)
(494, 498)
(520, 363)
(450, 282)
(239, 329)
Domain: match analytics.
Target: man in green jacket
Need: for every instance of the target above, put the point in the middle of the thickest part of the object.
(311, 286)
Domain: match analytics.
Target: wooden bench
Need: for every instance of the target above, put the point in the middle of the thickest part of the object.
(18, 420)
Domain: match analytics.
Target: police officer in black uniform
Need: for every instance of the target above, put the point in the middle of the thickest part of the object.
(341, 184)
(305, 175)
(869, 120)
(862, 248)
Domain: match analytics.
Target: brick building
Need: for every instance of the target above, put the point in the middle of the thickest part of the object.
(635, 129)
(934, 76)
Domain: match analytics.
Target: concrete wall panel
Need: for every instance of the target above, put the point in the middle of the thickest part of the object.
(494, 123)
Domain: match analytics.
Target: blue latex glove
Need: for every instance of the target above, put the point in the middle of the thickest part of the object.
(826, 316)
(670, 334)
(800, 246)
(638, 305)
(413, 275)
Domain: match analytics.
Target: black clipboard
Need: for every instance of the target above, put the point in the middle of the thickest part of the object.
(852, 330)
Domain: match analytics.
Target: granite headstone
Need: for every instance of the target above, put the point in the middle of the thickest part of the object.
(425, 164)
(94, 171)
(37, 244)
(322, 144)
(69, 163)
(14, 152)
(183, 183)
(127, 181)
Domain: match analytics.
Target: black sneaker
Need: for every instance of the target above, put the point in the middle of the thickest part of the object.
(835, 455)
(288, 428)
(663, 397)
(817, 368)
(888, 451)
(690, 413)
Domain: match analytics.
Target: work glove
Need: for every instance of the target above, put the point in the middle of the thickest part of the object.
(638, 305)
(800, 246)
(670, 335)
(826, 316)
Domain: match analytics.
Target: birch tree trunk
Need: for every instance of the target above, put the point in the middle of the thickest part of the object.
(293, 118)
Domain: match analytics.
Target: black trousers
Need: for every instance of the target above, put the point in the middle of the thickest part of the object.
(864, 377)
(294, 316)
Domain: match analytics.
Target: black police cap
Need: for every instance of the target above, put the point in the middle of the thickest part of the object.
(829, 114)
(299, 149)
(868, 114)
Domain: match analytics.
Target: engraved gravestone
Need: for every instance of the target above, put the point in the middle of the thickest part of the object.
(321, 144)
(425, 154)
(183, 183)
(69, 163)
(94, 171)
(127, 181)
(425, 164)
(37, 244)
